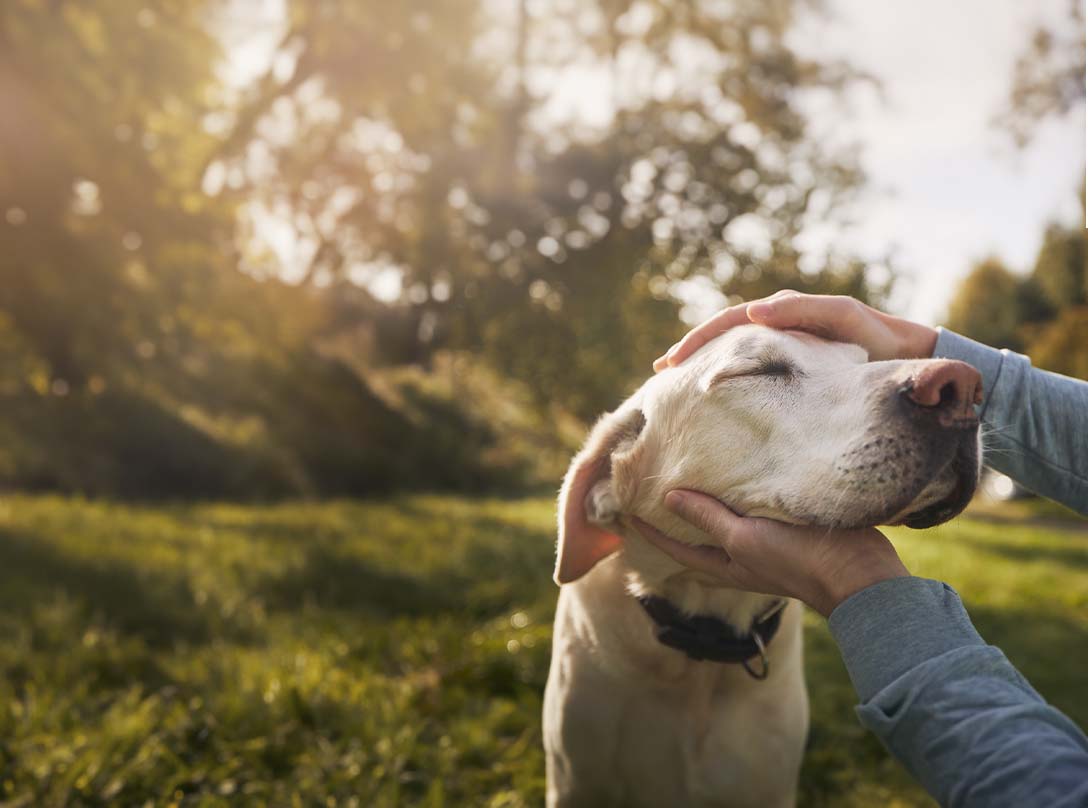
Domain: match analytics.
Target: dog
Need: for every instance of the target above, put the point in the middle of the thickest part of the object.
(665, 687)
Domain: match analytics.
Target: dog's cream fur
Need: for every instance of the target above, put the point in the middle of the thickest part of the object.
(775, 424)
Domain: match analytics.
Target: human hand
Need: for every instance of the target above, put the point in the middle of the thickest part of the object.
(834, 317)
(818, 566)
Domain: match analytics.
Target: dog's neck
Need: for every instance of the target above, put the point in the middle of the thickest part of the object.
(691, 592)
(693, 597)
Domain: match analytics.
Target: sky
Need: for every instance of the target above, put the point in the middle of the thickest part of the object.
(950, 188)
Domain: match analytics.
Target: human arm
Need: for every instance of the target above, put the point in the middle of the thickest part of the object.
(951, 709)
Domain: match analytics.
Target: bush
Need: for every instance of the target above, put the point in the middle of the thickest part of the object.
(315, 427)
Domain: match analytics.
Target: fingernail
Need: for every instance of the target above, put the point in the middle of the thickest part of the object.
(674, 500)
(662, 362)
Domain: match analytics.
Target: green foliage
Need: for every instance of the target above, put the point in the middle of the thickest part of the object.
(1048, 79)
(390, 653)
(1061, 268)
(108, 245)
(151, 345)
(553, 252)
(1041, 314)
(311, 426)
(987, 306)
(1060, 345)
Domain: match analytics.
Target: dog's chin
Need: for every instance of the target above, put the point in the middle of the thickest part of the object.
(941, 511)
(947, 495)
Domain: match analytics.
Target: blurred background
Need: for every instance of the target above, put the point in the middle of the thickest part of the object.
(304, 307)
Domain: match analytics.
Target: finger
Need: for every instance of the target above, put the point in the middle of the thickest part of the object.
(819, 314)
(780, 293)
(706, 513)
(712, 560)
(702, 334)
(707, 330)
(768, 306)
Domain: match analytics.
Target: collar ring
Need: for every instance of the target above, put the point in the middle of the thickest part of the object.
(764, 663)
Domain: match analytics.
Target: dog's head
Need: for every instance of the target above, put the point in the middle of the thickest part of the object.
(777, 424)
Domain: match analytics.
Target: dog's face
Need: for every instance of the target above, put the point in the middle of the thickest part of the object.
(783, 425)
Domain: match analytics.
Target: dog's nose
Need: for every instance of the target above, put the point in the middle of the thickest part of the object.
(946, 387)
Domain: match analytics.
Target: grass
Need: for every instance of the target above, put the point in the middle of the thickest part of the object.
(389, 653)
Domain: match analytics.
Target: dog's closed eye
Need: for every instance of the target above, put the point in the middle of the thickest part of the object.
(773, 367)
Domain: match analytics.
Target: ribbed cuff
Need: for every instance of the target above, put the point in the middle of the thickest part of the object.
(890, 627)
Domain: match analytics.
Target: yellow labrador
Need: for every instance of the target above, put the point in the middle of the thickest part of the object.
(665, 688)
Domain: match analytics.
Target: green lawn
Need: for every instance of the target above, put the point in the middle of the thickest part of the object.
(387, 654)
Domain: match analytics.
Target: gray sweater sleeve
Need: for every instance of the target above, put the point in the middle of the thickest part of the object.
(952, 709)
(1035, 423)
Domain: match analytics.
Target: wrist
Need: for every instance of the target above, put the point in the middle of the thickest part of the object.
(839, 587)
(916, 341)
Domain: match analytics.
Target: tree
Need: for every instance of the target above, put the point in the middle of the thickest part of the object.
(96, 179)
(137, 358)
(1042, 314)
(1060, 346)
(1061, 268)
(987, 306)
(1048, 77)
(152, 343)
(414, 139)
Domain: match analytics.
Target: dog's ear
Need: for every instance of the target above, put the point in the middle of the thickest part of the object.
(589, 502)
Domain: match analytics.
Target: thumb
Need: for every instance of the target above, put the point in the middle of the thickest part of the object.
(706, 513)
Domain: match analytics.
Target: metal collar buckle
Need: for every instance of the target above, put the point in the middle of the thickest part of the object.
(764, 663)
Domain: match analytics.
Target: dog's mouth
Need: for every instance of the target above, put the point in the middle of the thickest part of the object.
(960, 479)
(942, 511)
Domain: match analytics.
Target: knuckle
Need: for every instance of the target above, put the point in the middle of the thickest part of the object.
(794, 304)
(749, 531)
(726, 315)
(852, 311)
(709, 522)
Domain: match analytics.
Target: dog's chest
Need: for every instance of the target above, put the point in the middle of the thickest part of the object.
(719, 754)
(630, 722)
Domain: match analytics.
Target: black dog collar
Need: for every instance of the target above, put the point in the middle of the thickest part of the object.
(709, 639)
